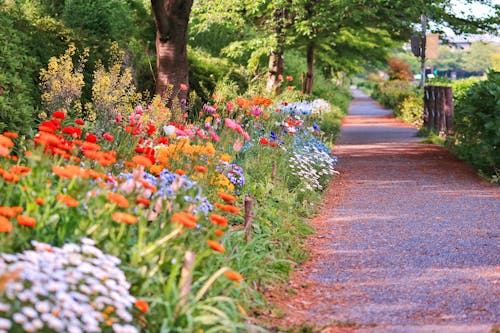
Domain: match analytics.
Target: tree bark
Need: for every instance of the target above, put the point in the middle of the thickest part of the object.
(307, 85)
(276, 57)
(171, 20)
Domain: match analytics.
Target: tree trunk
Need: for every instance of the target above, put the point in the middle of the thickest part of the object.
(275, 70)
(171, 19)
(276, 56)
(307, 85)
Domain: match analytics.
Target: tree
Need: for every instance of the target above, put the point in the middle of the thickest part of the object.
(479, 58)
(171, 20)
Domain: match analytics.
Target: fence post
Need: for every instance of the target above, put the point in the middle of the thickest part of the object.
(438, 109)
(427, 104)
(448, 109)
(248, 218)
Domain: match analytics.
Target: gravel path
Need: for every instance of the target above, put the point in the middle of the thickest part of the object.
(408, 240)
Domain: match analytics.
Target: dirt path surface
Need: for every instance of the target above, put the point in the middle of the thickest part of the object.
(408, 239)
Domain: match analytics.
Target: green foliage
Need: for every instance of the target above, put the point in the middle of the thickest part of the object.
(17, 68)
(206, 73)
(477, 125)
(392, 93)
(411, 109)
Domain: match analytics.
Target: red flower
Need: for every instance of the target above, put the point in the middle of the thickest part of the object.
(151, 129)
(90, 138)
(263, 141)
(289, 78)
(183, 87)
(142, 305)
(108, 137)
(59, 115)
(163, 140)
(79, 121)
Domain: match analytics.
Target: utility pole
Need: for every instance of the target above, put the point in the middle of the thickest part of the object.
(423, 21)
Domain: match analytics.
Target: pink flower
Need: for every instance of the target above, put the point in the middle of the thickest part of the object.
(246, 136)
(230, 123)
(256, 111)
(183, 87)
(214, 135)
(229, 106)
(118, 118)
(238, 144)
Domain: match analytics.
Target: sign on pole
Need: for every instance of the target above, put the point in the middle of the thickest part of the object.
(432, 46)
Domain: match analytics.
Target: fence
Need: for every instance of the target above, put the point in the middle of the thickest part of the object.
(438, 109)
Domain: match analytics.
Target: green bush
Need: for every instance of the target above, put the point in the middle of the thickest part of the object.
(393, 92)
(477, 125)
(18, 67)
(411, 110)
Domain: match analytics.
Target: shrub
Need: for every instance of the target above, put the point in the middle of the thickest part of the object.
(17, 67)
(392, 93)
(399, 70)
(411, 110)
(477, 125)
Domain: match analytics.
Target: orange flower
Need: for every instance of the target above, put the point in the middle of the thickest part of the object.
(90, 146)
(143, 201)
(118, 199)
(40, 201)
(142, 160)
(142, 305)
(128, 164)
(218, 219)
(62, 172)
(11, 135)
(219, 233)
(6, 142)
(7, 211)
(20, 170)
(180, 172)
(4, 151)
(201, 168)
(227, 197)
(67, 200)
(216, 246)
(232, 275)
(186, 219)
(147, 185)
(26, 221)
(5, 225)
(228, 208)
(17, 209)
(124, 218)
(9, 177)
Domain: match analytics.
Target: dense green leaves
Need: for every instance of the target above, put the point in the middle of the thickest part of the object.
(477, 125)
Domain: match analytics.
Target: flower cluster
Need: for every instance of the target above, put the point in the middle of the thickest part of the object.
(312, 163)
(233, 172)
(317, 106)
(75, 289)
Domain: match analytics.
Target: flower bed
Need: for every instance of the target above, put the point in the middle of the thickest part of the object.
(145, 225)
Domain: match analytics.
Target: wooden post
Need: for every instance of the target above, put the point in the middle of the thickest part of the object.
(433, 108)
(448, 109)
(427, 106)
(248, 218)
(186, 278)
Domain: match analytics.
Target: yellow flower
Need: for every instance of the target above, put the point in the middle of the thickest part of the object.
(225, 158)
